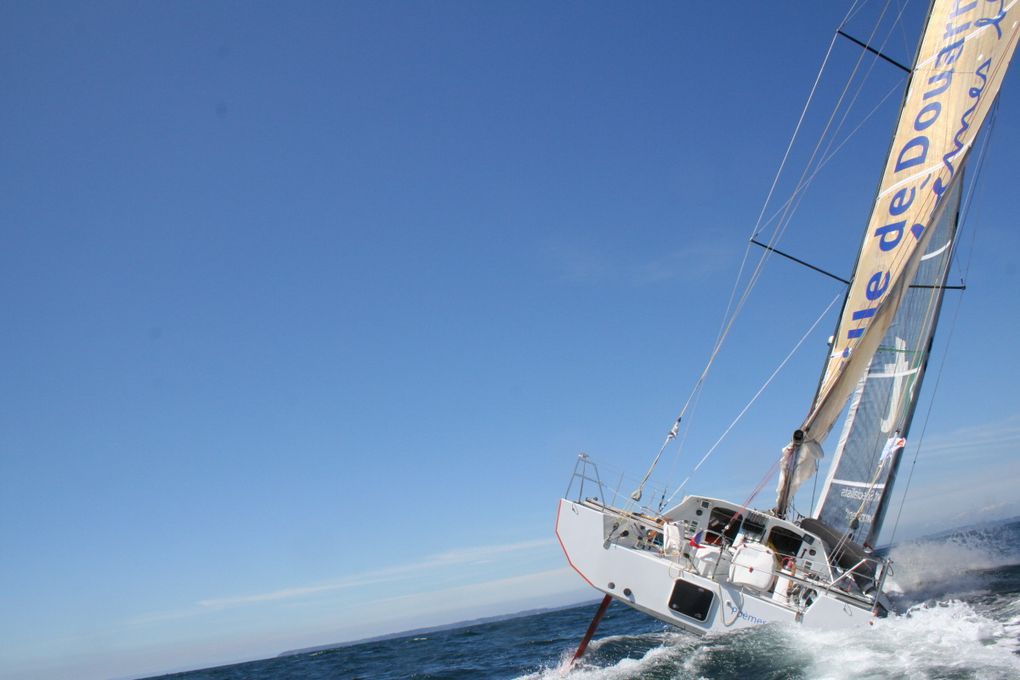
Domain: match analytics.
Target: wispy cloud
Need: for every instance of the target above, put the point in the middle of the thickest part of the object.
(485, 552)
(578, 263)
(954, 469)
(541, 583)
(450, 558)
(693, 262)
(460, 556)
(986, 439)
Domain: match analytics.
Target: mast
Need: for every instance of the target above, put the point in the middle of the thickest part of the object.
(963, 56)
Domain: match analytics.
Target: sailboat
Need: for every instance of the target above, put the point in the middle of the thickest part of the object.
(710, 565)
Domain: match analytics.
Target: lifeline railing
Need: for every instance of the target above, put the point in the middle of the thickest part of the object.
(581, 474)
(587, 472)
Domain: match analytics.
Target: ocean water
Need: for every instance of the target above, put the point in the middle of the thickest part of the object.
(958, 617)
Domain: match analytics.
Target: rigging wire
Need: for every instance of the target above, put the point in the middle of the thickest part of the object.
(830, 152)
(826, 134)
(814, 491)
(799, 190)
(834, 373)
(757, 394)
(732, 311)
(822, 153)
(818, 159)
(903, 30)
(964, 220)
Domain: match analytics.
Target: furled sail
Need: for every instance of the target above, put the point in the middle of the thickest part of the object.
(963, 56)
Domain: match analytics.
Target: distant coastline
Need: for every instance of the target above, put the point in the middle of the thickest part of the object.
(433, 629)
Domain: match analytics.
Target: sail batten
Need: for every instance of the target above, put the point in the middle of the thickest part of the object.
(961, 61)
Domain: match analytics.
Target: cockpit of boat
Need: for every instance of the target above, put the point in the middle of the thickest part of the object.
(787, 561)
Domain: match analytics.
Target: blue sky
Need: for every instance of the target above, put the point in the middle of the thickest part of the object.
(308, 310)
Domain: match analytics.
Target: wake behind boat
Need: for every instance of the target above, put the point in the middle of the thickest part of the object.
(711, 565)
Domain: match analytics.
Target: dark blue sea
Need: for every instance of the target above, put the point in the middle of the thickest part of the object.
(958, 598)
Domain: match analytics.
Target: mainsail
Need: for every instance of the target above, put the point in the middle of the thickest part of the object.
(962, 59)
(874, 434)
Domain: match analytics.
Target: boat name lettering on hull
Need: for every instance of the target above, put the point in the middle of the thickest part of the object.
(750, 618)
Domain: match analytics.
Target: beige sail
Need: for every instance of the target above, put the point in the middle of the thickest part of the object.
(963, 57)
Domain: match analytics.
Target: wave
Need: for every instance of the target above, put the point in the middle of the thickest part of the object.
(958, 563)
(661, 658)
(942, 639)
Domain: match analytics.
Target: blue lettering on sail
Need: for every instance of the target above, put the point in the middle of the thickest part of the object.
(975, 93)
(914, 152)
(994, 21)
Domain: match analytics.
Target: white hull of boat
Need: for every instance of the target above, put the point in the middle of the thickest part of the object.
(647, 580)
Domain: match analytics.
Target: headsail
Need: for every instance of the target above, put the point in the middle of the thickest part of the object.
(962, 59)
